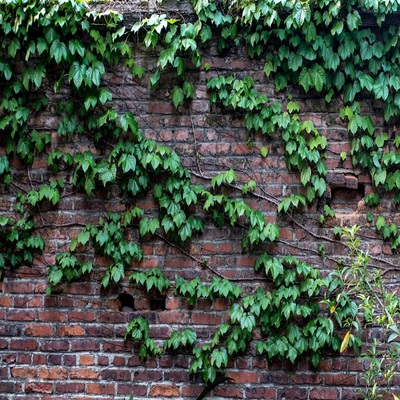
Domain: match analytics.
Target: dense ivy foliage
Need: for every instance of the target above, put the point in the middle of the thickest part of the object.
(317, 46)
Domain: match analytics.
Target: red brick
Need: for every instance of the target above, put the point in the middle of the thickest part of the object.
(31, 302)
(128, 389)
(78, 316)
(56, 373)
(244, 376)
(119, 361)
(51, 316)
(39, 330)
(164, 391)
(255, 392)
(3, 373)
(6, 301)
(38, 387)
(192, 390)
(10, 387)
(112, 317)
(86, 359)
(18, 287)
(324, 394)
(340, 379)
(100, 388)
(85, 345)
(21, 315)
(116, 375)
(24, 372)
(150, 376)
(84, 373)
(206, 319)
(39, 359)
(173, 317)
(229, 392)
(307, 379)
(55, 345)
(24, 358)
(85, 288)
(70, 330)
(68, 387)
(293, 394)
(24, 344)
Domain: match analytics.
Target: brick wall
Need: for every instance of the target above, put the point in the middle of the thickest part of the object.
(70, 345)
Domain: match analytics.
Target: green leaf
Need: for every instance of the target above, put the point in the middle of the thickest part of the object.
(380, 223)
(127, 121)
(295, 61)
(365, 50)
(305, 79)
(75, 46)
(337, 28)
(104, 96)
(264, 151)
(247, 322)
(77, 73)
(380, 88)
(318, 77)
(219, 357)
(301, 13)
(381, 139)
(353, 20)
(83, 237)
(177, 96)
(58, 51)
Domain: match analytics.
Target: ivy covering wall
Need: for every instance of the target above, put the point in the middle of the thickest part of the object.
(234, 167)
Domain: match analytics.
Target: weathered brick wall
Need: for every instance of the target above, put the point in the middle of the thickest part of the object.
(70, 345)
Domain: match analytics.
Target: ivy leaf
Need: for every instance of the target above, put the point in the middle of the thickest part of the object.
(380, 88)
(380, 176)
(381, 139)
(394, 81)
(75, 46)
(353, 20)
(337, 28)
(268, 68)
(309, 31)
(177, 96)
(247, 322)
(365, 50)
(104, 96)
(127, 121)
(264, 151)
(219, 357)
(83, 237)
(295, 61)
(305, 175)
(318, 77)
(77, 73)
(350, 91)
(301, 13)
(58, 51)
(380, 223)
(366, 81)
(94, 73)
(305, 79)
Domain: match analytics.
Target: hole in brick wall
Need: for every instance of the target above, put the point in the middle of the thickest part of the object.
(346, 197)
(157, 303)
(127, 302)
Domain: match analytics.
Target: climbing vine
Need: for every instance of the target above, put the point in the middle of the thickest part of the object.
(63, 50)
